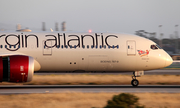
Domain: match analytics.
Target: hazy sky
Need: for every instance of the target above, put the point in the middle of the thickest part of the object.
(125, 16)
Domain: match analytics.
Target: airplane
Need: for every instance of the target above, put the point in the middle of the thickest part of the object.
(22, 53)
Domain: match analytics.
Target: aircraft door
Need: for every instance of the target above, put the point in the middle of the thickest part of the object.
(47, 50)
(131, 48)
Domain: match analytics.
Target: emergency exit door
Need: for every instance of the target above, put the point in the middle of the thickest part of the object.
(131, 48)
(47, 50)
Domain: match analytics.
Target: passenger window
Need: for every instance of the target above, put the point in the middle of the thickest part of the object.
(96, 46)
(66, 46)
(92, 46)
(83, 46)
(117, 46)
(100, 46)
(109, 46)
(105, 46)
(154, 47)
(87, 46)
(75, 46)
(61, 46)
(57, 46)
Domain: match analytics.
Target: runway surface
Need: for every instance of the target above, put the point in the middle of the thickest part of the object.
(152, 72)
(27, 89)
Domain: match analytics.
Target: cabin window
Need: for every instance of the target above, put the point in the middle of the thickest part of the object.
(83, 46)
(117, 46)
(104, 46)
(61, 46)
(66, 46)
(1, 46)
(92, 46)
(87, 46)
(154, 47)
(75, 46)
(100, 46)
(57, 46)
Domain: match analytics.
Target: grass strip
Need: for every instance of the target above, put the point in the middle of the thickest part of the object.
(99, 80)
(85, 100)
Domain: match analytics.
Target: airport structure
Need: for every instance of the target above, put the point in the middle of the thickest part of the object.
(64, 26)
(18, 29)
(43, 26)
(56, 26)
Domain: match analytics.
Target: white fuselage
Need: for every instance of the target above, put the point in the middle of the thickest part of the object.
(85, 51)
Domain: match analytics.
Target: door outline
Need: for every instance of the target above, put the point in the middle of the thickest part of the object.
(47, 51)
(131, 47)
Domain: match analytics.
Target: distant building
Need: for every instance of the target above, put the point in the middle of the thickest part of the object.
(169, 49)
(175, 56)
(43, 26)
(56, 26)
(64, 26)
(24, 30)
(18, 29)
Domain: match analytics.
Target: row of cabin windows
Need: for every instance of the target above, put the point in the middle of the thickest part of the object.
(66, 46)
(10, 46)
(62, 46)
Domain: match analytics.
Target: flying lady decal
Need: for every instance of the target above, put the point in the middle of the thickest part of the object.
(143, 53)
